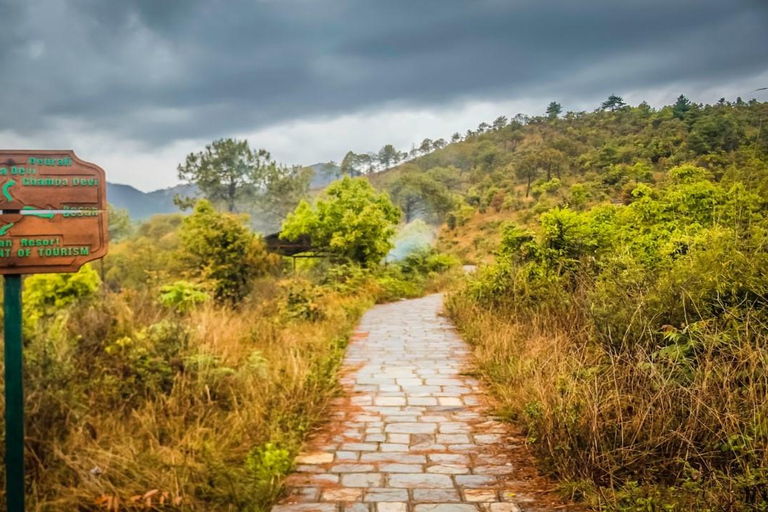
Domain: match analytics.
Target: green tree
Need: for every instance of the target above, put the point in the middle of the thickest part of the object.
(281, 191)
(613, 103)
(220, 250)
(681, 107)
(551, 161)
(419, 193)
(387, 155)
(227, 172)
(554, 110)
(349, 165)
(120, 225)
(439, 144)
(350, 220)
(500, 122)
(715, 132)
(528, 169)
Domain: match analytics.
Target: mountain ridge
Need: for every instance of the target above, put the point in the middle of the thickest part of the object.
(143, 205)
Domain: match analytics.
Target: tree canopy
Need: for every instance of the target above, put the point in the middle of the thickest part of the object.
(227, 171)
(350, 220)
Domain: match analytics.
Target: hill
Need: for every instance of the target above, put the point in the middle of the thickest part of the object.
(518, 169)
(143, 205)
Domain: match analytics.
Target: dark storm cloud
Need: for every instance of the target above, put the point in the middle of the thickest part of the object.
(161, 70)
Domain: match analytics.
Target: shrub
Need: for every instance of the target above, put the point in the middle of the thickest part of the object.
(634, 338)
(183, 296)
(220, 248)
(45, 294)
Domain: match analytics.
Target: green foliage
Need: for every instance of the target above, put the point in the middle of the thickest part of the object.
(220, 249)
(267, 465)
(350, 220)
(227, 171)
(554, 110)
(303, 302)
(662, 301)
(714, 133)
(46, 294)
(428, 261)
(183, 296)
(146, 257)
(613, 103)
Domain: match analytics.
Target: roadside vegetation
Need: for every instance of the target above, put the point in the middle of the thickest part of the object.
(186, 371)
(622, 317)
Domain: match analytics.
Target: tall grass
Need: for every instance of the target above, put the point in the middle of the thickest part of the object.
(130, 406)
(686, 429)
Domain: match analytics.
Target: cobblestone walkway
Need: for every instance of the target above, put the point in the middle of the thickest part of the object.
(412, 433)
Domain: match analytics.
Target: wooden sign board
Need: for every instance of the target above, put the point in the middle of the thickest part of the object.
(54, 212)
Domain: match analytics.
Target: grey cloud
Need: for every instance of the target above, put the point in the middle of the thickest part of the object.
(158, 71)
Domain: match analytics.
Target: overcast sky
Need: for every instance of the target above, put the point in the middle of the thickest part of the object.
(135, 85)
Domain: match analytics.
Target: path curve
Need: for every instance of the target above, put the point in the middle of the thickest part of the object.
(413, 433)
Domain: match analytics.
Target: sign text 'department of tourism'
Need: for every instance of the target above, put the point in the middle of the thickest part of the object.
(54, 215)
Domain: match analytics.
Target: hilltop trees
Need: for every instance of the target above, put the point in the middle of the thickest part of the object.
(554, 110)
(388, 155)
(500, 122)
(350, 220)
(681, 107)
(613, 103)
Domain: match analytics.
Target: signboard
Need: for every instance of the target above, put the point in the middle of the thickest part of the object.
(54, 212)
(53, 218)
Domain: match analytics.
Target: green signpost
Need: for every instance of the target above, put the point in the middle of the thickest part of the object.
(14, 397)
(52, 219)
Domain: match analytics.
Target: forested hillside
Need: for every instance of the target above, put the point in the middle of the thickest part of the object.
(622, 314)
(522, 167)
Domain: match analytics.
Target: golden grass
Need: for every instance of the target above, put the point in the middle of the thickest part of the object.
(127, 419)
(631, 432)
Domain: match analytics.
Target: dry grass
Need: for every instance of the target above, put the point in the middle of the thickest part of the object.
(632, 432)
(130, 407)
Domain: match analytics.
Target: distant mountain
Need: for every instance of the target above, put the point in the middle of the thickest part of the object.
(142, 205)
(324, 174)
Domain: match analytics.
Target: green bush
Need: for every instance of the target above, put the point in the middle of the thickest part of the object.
(267, 465)
(303, 302)
(183, 296)
(46, 294)
(220, 248)
(661, 375)
(428, 261)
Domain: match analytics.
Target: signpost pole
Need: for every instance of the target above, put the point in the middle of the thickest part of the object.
(53, 219)
(14, 397)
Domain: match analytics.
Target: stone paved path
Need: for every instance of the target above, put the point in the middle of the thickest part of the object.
(412, 434)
